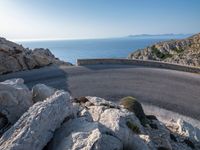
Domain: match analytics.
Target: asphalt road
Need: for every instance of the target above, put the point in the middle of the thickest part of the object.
(173, 90)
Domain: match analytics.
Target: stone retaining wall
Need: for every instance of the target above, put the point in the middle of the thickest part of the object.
(82, 62)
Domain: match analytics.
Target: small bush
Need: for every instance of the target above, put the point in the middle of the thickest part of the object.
(133, 127)
(178, 50)
(159, 54)
(133, 105)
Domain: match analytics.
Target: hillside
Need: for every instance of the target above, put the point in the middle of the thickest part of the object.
(184, 52)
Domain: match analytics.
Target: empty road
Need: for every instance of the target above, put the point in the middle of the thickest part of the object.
(173, 90)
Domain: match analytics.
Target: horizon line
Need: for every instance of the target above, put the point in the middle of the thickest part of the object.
(60, 39)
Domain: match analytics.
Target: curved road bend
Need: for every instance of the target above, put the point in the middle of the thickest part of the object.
(173, 90)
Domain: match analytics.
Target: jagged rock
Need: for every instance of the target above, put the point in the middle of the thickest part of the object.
(81, 134)
(115, 119)
(41, 92)
(15, 99)
(56, 122)
(36, 127)
(184, 52)
(14, 57)
(188, 130)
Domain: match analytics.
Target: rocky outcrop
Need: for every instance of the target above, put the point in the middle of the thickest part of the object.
(36, 127)
(80, 133)
(104, 120)
(56, 121)
(184, 52)
(14, 57)
(15, 99)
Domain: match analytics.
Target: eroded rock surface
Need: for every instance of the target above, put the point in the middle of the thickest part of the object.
(184, 52)
(15, 99)
(36, 127)
(82, 134)
(14, 57)
(58, 122)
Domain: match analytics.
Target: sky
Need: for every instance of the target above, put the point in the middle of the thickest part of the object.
(84, 19)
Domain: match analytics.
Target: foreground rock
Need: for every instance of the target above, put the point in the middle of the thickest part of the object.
(83, 134)
(99, 125)
(184, 52)
(14, 57)
(58, 122)
(36, 127)
(15, 99)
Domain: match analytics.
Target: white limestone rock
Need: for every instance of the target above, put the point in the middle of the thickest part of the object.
(15, 99)
(115, 118)
(80, 134)
(36, 127)
(41, 92)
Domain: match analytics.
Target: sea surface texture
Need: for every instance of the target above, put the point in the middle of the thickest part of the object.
(71, 50)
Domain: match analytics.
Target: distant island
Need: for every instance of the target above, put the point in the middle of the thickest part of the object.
(170, 35)
(184, 51)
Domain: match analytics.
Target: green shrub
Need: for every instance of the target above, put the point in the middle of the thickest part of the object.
(178, 50)
(133, 127)
(159, 54)
(133, 105)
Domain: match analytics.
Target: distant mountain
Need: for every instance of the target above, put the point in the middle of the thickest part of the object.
(185, 51)
(171, 35)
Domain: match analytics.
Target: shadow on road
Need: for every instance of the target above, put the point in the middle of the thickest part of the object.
(52, 76)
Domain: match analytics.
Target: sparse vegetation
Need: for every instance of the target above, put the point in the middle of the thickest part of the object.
(133, 105)
(160, 54)
(178, 50)
(133, 127)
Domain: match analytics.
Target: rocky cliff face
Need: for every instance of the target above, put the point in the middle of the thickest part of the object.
(50, 119)
(14, 57)
(184, 52)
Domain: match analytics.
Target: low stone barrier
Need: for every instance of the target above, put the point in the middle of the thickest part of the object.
(149, 63)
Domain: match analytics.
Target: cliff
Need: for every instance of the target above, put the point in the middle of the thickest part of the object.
(184, 52)
(14, 57)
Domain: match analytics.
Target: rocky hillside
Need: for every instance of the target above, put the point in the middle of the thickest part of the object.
(14, 57)
(184, 52)
(50, 119)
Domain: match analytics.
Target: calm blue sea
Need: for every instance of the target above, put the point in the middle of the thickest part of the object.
(71, 50)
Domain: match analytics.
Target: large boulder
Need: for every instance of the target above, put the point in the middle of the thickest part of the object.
(124, 124)
(99, 125)
(36, 127)
(15, 99)
(81, 134)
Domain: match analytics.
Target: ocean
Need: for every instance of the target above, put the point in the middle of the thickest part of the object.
(71, 50)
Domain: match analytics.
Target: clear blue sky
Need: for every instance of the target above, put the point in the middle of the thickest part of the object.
(54, 19)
